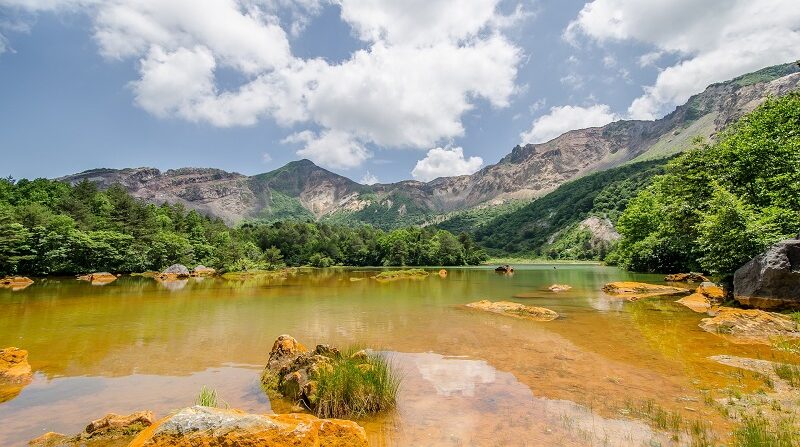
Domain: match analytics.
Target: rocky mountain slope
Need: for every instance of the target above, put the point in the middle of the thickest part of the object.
(303, 190)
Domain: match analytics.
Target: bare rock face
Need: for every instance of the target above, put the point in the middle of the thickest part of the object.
(212, 427)
(771, 279)
(749, 325)
(516, 310)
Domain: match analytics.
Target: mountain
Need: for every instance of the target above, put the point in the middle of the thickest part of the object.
(301, 189)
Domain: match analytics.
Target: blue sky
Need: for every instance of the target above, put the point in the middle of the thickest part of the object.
(372, 89)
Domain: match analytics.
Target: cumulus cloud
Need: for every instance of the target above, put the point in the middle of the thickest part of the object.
(369, 179)
(330, 148)
(565, 118)
(445, 162)
(425, 64)
(715, 40)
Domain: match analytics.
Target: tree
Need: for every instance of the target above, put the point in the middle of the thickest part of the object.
(14, 246)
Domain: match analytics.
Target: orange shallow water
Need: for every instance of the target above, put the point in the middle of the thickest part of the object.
(470, 378)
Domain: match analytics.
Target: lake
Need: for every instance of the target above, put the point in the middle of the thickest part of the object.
(470, 378)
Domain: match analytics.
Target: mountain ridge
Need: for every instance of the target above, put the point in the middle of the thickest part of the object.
(301, 189)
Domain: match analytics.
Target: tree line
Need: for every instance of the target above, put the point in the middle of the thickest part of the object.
(49, 227)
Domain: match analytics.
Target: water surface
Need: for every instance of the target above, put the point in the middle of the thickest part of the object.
(471, 378)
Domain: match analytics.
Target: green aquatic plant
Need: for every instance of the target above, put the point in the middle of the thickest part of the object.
(207, 397)
(357, 383)
(757, 431)
(401, 274)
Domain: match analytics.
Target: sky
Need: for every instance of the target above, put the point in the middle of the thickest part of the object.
(376, 90)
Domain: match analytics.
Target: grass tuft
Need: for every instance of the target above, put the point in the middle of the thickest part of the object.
(401, 274)
(789, 373)
(756, 431)
(207, 397)
(355, 386)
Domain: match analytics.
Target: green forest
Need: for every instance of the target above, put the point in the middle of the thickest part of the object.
(50, 227)
(720, 204)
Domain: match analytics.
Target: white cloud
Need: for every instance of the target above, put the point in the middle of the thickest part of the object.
(330, 148)
(425, 64)
(566, 118)
(369, 179)
(714, 39)
(441, 162)
(266, 158)
(650, 58)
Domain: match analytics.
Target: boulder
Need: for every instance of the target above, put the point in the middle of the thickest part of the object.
(51, 439)
(559, 287)
(175, 271)
(771, 279)
(284, 351)
(98, 279)
(202, 270)
(515, 310)
(443, 273)
(14, 365)
(697, 302)
(504, 269)
(749, 325)
(633, 291)
(685, 277)
(15, 282)
(210, 427)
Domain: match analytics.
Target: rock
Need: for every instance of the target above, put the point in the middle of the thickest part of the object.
(771, 279)
(111, 424)
(284, 351)
(15, 282)
(175, 271)
(697, 302)
(633, 291)
(515, 310)
(98, 279)
(202, 270)
(685, 277)
(559, 287)
(443, 273)
(211, 427)
(704, 298)
(14, 365)
(504, 269)
(749, 325)
(50, 439)
(110, 429)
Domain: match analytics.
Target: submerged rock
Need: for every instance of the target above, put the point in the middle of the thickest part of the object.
(633, 291)
(559, 287)
(15, 282)
(212, 427)
(98, 279)
(515, 310)
(771, 279)
(504, 269)
(14, 365)
(685, 277)
(749, 325)
(707, 296)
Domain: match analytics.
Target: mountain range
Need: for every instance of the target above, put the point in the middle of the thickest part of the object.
(301, 189)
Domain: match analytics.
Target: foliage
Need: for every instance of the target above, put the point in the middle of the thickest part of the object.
(719, 205)
(528, 230)
(355, 386)
(207, 397)
(50, 227)
(469, 220)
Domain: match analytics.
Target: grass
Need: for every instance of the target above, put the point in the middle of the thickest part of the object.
(355, 385)
(790, 345)
(756, 431)
(208, 398)
(401, 274)
(789, 373)
(697, 433)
